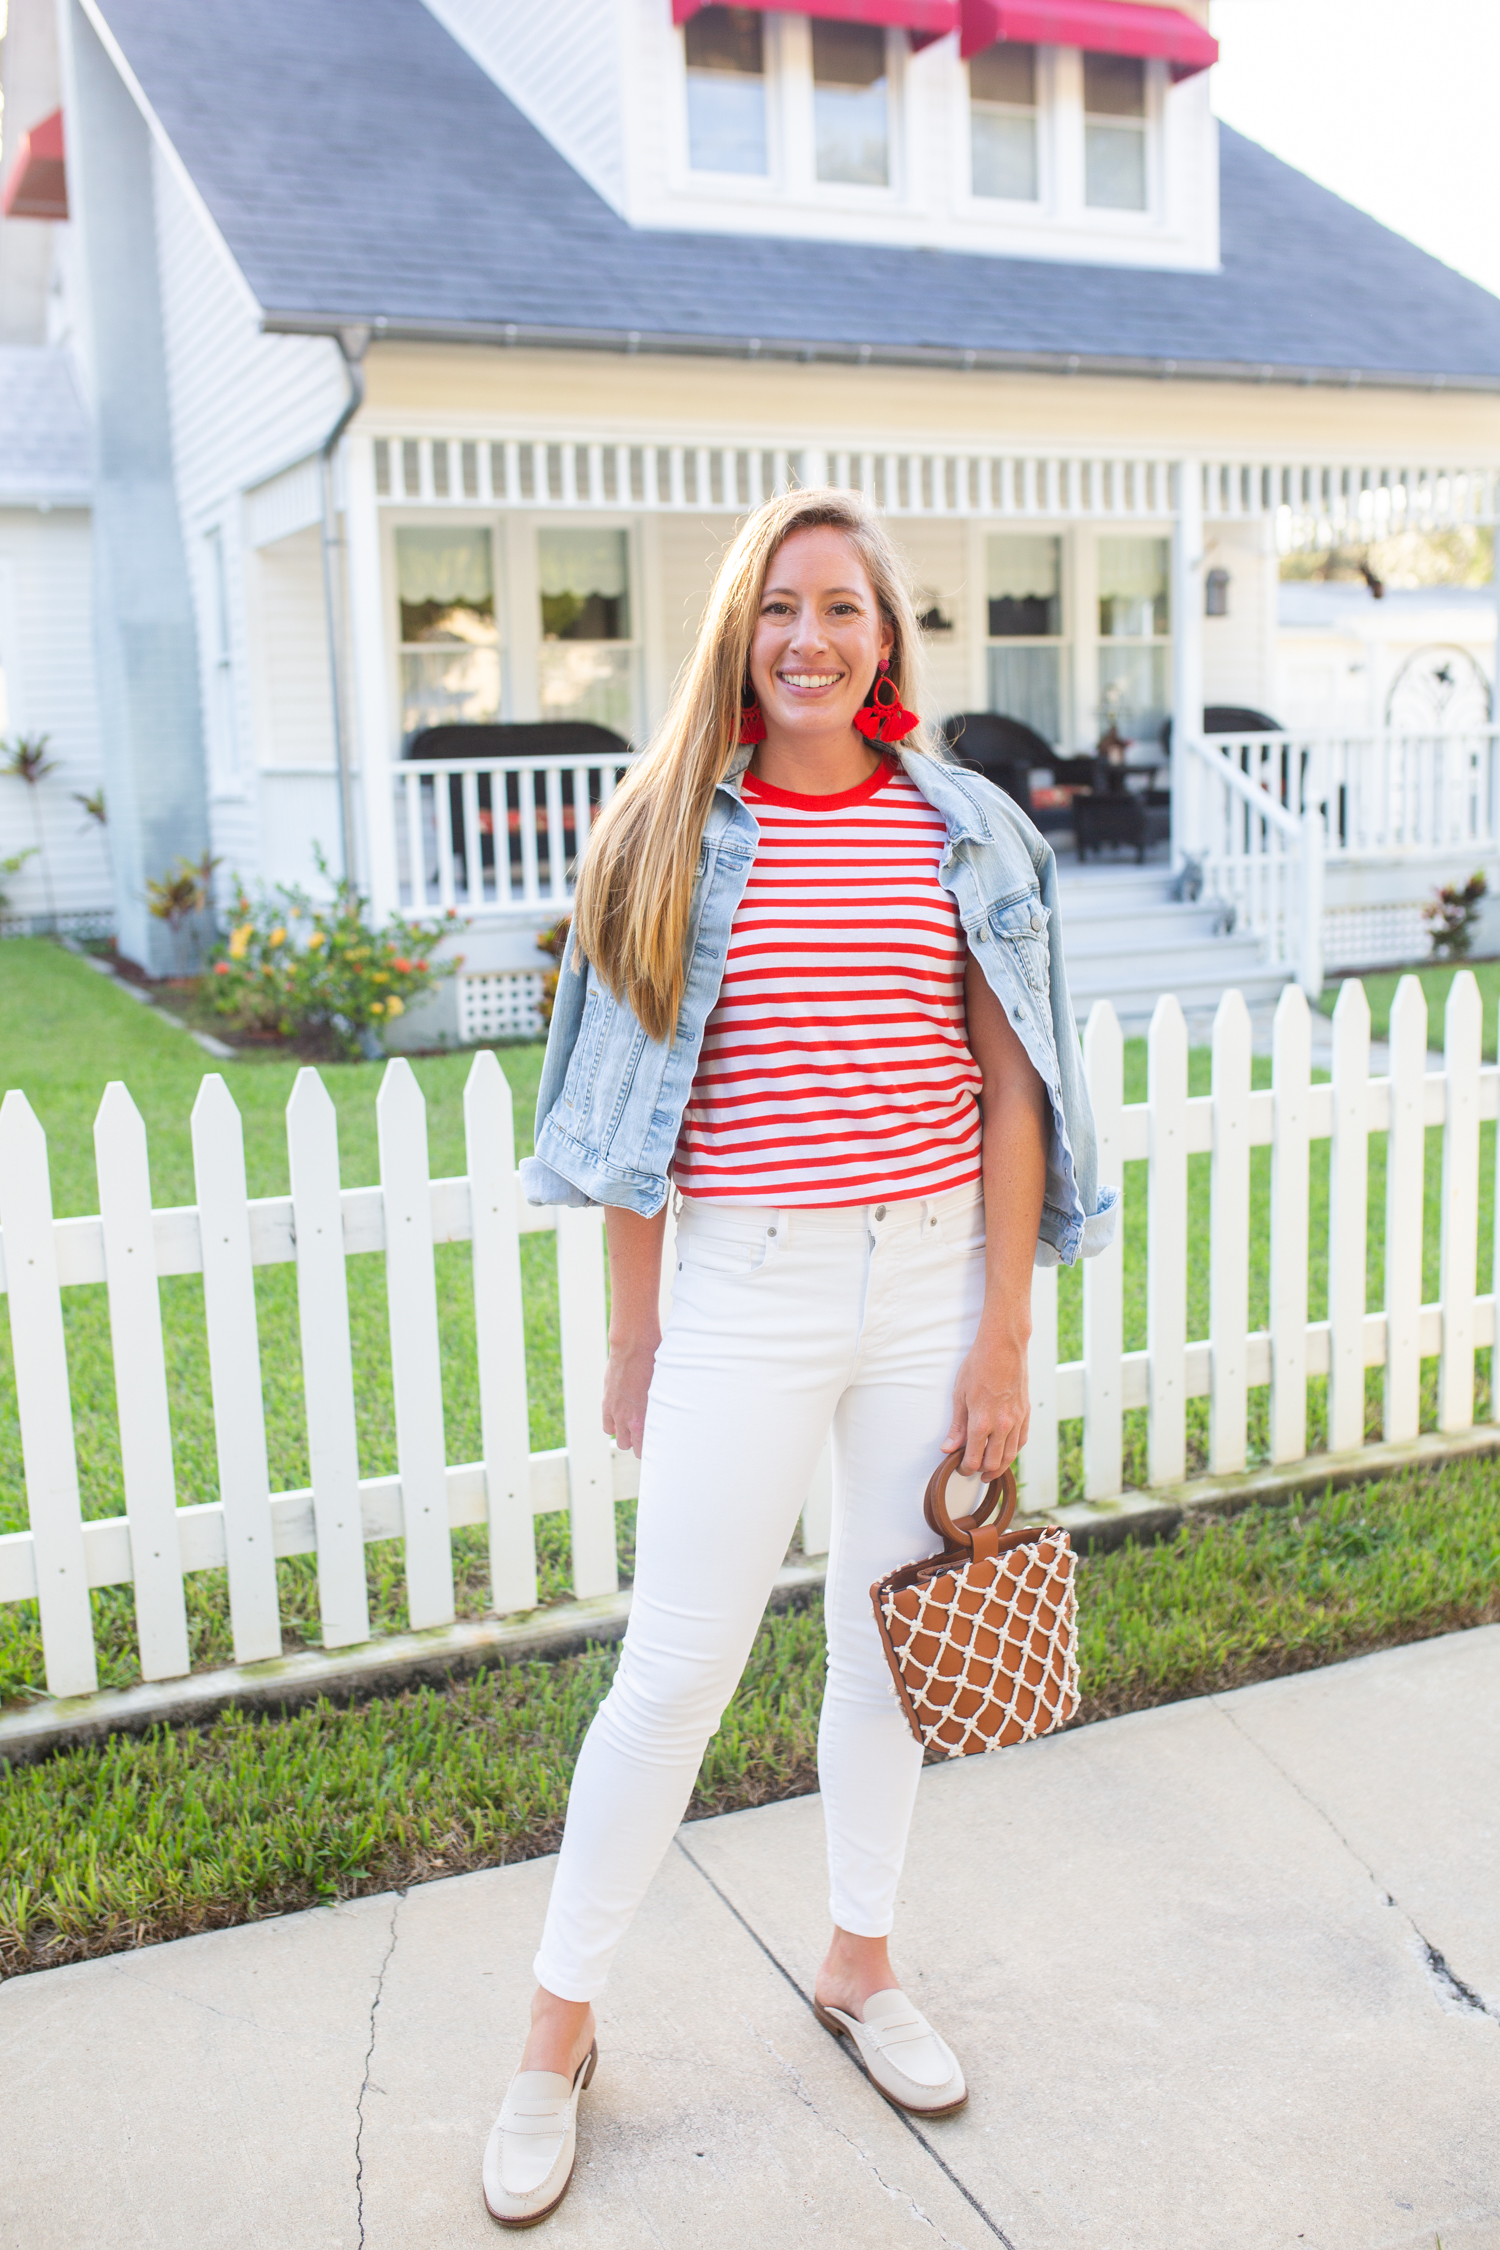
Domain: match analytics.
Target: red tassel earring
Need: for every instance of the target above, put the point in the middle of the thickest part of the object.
(882, 717)
(752, 722)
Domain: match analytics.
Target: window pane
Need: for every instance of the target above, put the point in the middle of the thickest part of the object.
(726, 91)
(849, 104)
(1006, 73)
(449, 687)
(1133, 690)
(1023, 582)
(585, 585)
(446, 584)
(1133, 588)
(1025, 684)
(580, 681)
(1114, 167)
(1114, 86)
(1003, 153)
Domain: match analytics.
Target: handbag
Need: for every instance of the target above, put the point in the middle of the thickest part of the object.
(982, 1638)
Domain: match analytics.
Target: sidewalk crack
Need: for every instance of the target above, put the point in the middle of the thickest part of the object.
(903, 2117)
(1452, 1992)
(359, 2107)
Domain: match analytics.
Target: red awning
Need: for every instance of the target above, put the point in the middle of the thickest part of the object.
(1100, 27)
(925, 19)
(38, 187)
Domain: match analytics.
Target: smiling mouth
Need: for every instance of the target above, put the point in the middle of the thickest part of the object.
(811, 679)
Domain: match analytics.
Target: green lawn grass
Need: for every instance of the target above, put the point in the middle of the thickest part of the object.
(1380, 991)
(65, 1031)
(144, 1838)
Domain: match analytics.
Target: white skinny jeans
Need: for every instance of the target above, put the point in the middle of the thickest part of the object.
(783, 1323)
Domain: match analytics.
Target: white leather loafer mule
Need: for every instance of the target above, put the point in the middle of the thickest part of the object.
(903, 2056)
(529, 2156)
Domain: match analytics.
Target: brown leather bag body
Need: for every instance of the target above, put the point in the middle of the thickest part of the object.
(982, 1639)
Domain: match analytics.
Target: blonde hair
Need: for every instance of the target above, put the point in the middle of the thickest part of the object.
(635, 886)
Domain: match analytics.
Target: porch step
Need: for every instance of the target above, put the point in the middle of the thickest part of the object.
(1127, 940)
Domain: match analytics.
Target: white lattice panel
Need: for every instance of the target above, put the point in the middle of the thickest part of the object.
(505, 1004)
(1374, 937)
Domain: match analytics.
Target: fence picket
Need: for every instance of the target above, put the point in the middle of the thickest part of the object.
(1038, 1464)
(1348, 1223)
(1229, 1237)
(1405, 1160)
(416, 1362)
(327, 1362)
(128, 1246)
(141, 1385)
(1463, 1023)
(581, 1320)
(1166, 1242)
(1291, 1080)
(234, 1371)
(500, 1333)
(1104, 1276)
(45, 1406)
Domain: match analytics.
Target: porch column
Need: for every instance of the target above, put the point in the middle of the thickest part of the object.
(371, 730)
(1187, 652)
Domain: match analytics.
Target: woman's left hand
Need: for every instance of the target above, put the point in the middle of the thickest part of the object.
(991, 1406)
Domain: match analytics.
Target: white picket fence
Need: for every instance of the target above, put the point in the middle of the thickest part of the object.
(226, 1234)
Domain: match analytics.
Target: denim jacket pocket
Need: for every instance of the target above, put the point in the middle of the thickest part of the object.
(1022, 927)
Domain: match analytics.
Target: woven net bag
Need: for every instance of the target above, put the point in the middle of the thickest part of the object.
(982, 1639)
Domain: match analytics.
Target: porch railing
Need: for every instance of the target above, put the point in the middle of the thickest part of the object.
(1260, 858)
(485, 835)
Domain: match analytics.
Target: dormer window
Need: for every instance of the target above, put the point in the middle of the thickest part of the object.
(851, 121)
(1114, 132)
(726, 90)
(1003, 123)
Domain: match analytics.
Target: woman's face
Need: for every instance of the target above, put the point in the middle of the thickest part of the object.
(820, 635)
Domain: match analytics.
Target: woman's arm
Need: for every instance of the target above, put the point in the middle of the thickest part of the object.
(634, 1320)
(992, 1398)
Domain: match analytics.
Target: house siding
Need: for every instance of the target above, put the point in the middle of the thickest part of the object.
(562, 66)
(47, 658)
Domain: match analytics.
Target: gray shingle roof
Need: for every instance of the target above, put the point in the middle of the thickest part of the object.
(362, 167)
(44, 435)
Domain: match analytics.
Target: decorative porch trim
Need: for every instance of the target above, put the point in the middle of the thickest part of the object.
(570, 472)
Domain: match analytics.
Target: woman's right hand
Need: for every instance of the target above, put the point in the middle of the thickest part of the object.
(627, 1381)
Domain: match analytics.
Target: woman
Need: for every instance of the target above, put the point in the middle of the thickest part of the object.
(810, 981)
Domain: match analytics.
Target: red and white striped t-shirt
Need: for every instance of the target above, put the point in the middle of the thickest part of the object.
(835, 1066)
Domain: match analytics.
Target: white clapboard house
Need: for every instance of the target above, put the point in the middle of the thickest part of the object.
(380, 379)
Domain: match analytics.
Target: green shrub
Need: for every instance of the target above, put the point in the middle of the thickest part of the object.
(293, 964)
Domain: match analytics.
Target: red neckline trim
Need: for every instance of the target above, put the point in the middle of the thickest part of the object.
(752, 785)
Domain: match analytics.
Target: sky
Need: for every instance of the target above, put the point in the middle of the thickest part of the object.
(1394, 104)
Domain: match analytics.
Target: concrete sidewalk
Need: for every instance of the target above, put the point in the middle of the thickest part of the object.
(1224, 1976)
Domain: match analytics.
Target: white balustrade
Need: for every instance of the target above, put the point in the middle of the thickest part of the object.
(482, 836)
(321, 1224)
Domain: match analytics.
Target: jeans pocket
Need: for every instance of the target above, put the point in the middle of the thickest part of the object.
(724, 1243)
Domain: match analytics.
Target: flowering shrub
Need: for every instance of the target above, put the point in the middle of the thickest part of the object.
(292, 964)
(1452, 916)
(554, 943)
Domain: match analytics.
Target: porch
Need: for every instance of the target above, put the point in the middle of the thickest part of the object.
(497, 579)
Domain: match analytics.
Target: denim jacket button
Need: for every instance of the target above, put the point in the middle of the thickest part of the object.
(1038, 922)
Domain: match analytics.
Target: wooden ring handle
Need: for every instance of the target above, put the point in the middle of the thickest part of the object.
(959, 1531)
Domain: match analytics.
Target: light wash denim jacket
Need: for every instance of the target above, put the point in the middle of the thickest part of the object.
(611, 1100)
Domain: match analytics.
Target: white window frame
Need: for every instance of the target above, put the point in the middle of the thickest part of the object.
(415, 516)
(791, 174)
(982, 641)
(1044, 203)
(584, 519)
(686, 177)
(1153, 129)
(1143, 528)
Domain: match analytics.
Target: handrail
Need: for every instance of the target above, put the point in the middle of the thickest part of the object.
(1260, 799)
